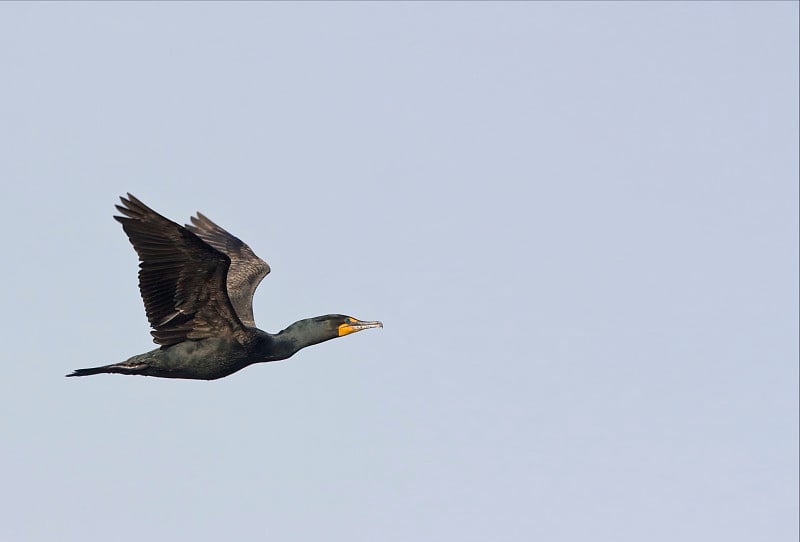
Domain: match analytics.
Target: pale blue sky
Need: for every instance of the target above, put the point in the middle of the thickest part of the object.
(578, 222)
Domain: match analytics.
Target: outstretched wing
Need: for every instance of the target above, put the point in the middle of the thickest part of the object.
(246, 271)
(181, 278)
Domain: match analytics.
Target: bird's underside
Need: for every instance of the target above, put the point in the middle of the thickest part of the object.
(197, 283)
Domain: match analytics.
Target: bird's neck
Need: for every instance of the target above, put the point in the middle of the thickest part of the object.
(296, 337)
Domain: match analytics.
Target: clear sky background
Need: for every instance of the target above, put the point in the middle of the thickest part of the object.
(578, 222)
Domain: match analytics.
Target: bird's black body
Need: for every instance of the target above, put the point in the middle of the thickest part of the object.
(197, 283)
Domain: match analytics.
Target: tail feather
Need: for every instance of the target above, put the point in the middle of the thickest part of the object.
(89, 371)
(114, 368)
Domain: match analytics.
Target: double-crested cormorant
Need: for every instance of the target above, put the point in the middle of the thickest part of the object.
(197, 283)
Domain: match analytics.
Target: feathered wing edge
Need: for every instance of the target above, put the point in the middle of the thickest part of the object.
(246, 269)
(182, 279)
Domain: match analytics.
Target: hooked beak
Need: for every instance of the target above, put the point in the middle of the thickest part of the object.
(356, 325)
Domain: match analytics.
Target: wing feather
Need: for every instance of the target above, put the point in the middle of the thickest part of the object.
(246, 270)
(182, 279)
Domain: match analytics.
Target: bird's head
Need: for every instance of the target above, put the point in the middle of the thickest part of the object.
(339, 325)
(322, 328)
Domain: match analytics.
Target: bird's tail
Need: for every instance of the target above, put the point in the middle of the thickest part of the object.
(90, 371)
(119, 368)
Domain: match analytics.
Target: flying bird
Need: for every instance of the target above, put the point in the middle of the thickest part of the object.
(197, 282)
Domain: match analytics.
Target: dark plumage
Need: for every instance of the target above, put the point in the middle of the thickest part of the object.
(197, 283)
